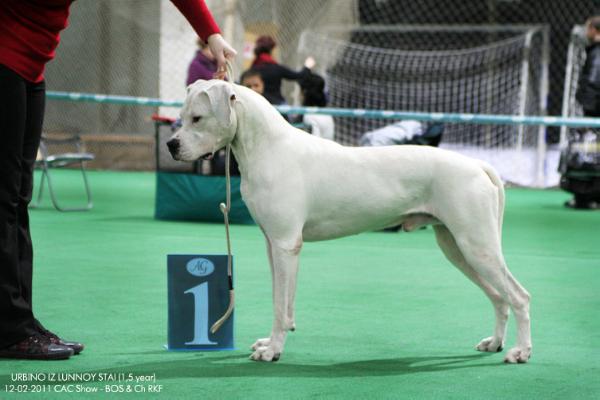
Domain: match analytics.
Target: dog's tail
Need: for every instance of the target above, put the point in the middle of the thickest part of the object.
(493, 175)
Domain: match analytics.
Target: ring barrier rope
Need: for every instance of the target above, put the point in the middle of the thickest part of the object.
(574, 122)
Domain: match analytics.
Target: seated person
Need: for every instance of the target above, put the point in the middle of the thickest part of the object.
(252, 79)
(313, 95)
(404, 132)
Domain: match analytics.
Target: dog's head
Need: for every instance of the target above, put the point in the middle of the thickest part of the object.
(208, 121)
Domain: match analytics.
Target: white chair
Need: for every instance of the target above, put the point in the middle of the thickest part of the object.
(47, 160)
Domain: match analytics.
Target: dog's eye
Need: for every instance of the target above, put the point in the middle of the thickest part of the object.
(196, 119)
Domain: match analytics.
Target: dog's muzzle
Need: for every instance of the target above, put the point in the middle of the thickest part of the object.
(173, 146)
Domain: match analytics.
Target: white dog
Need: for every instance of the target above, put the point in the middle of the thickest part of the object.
(302, 188)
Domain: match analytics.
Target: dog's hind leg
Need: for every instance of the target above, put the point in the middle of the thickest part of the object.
(448, 246)
(480, 246)
(284, 257)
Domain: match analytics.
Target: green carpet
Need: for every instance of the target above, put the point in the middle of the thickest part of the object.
(379, 315)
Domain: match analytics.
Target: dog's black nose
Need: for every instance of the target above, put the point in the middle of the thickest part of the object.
(173, 146)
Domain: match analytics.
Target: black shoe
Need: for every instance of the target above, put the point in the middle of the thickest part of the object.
(581, 205)
(55, 339)
(570, 203)
(36, 347)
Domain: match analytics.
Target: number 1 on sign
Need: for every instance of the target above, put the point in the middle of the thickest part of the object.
(200, 293)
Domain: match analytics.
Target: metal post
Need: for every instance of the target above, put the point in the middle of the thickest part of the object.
(524, 85)
(489, 100)
(567, 95)
(544, 88)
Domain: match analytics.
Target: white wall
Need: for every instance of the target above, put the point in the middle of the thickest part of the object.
(177, 48)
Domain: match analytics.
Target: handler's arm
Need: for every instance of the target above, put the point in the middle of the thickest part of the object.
(200, 18)
(290, 74)
(287, 73)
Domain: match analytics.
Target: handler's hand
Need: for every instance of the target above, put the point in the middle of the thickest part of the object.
(221, 51)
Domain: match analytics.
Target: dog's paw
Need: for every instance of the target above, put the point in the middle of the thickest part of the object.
(265, 353)
(264, 342)
(491, 344)
(518, 355)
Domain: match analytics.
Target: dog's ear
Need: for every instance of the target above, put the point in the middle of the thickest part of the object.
(222, 98)
(198, 82)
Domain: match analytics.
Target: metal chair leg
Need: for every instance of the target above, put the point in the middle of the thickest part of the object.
(38, 200)
(54, 199)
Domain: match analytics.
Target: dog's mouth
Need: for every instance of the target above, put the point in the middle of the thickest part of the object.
(207, 156)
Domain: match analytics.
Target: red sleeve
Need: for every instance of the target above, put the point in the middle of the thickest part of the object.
(199, 17)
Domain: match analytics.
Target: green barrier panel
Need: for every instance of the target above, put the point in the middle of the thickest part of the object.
(189, 197)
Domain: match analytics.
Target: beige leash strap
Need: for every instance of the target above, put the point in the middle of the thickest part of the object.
(225, 208)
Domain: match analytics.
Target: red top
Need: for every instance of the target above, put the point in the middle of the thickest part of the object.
(262, 59)
(30, 31)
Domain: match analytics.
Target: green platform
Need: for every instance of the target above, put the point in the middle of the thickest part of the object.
(379, 315)
(191, 197)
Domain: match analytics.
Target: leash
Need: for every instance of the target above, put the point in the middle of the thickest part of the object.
(225, 208)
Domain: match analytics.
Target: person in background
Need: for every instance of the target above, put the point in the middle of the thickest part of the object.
(252, 79)
(273, 72)
(29, 35)
(203, 65)
(312, 87)
(588, 89)
(579, 165)
(404, 132)
(313, 95)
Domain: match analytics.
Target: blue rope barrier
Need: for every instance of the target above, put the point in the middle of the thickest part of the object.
(574, 122)
(111, 99)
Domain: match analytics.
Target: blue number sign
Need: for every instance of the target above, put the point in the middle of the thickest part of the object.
(198, 296)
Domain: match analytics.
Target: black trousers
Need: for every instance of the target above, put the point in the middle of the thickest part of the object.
(21, 117)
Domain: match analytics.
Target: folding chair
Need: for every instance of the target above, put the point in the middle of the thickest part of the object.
(46, 161)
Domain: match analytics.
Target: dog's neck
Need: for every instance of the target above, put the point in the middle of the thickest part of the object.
(258, 123)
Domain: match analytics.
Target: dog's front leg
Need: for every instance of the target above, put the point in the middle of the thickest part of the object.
(284, 259)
